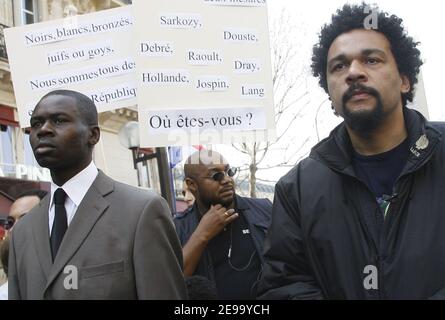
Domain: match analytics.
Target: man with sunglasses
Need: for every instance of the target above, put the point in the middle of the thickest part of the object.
(21, 206)
(25, 202)
(222, 234)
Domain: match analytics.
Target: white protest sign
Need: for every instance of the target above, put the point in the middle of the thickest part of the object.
(88, 53)
(203, 72)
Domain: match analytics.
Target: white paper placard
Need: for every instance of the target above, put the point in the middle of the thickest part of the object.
(77, 53)
(186, 120)
(239, 3)
(214, 64)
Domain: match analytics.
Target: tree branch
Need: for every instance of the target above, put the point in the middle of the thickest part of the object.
(240, 150)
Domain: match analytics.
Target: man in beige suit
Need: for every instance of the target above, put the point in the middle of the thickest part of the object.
(91, 237)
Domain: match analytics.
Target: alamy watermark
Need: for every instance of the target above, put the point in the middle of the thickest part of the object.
(371, 280)
(71, 281)
(371, 21)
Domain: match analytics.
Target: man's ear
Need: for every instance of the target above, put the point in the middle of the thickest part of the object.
(94, 135)
(405, 86)
(191, 184)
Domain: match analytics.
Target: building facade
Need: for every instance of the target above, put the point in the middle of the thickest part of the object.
(18, 169)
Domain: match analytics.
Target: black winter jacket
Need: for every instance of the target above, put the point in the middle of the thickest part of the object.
(328, 238)
(257, 213)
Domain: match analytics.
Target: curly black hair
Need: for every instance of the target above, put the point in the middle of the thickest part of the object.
(352, 17)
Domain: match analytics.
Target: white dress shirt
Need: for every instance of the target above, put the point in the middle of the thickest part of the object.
(75, 189)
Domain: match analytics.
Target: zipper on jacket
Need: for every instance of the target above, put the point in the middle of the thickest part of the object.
(377, 246)
(380, 287)
(384, 232)
(388, 216)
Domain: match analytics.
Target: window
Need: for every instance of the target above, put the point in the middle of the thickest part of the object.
(6, 150)
(29, 158)
(3, 53)
(29, 11)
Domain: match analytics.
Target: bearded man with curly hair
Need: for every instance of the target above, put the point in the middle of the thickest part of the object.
(362, 217)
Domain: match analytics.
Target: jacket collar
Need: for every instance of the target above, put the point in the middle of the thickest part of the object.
(423, 138)
(240, 203)
(336, 150)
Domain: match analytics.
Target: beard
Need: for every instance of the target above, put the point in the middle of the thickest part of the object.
(213, 201)
(363, 121)
(225, 202)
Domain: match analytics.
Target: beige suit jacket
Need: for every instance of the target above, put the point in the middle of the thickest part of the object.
(121, 244)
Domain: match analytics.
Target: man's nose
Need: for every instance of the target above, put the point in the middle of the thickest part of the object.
(45, 129)
(356, 73)
(226, 179)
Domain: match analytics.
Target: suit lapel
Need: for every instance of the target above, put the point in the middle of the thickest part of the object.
(89, 211)
(41, 235)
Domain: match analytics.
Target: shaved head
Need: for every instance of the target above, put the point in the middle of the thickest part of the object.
(199, 170)
(201, 159)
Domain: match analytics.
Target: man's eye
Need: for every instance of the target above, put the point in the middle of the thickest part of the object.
(339, 66)
(218, 176)
(59, 121)
(36, 124)
(372, 61)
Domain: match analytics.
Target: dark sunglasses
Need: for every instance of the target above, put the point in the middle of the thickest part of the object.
(7, 222)
(220, 175)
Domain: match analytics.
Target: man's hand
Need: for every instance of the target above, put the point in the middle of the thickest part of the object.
(214, 221)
